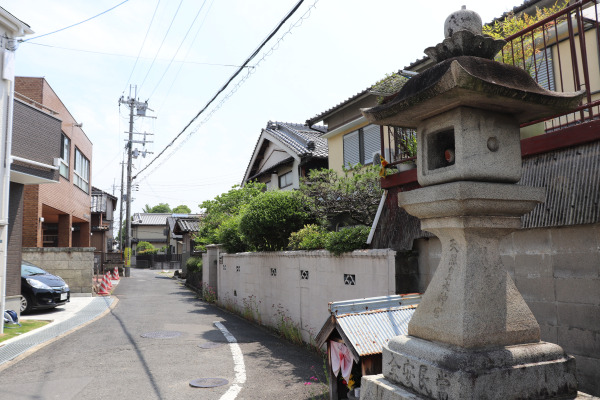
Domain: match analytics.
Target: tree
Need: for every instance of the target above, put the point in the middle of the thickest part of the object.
(354, 196)
(222, 208)
(182, 209)
(160, 208)
(521, 53)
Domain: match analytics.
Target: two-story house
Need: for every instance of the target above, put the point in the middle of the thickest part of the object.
(58, 215)
(103, 217)
(284, 153)
(151, 228)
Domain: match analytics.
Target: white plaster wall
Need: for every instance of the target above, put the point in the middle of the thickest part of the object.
(305, 301)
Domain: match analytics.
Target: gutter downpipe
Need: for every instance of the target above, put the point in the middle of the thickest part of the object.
(6, 197)
(376, 220)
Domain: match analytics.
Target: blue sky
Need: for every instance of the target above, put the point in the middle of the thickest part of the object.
(337, 50)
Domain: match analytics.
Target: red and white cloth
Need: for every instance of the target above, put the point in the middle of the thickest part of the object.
(341, 359)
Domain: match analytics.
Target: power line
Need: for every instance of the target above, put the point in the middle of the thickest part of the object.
(264, 42)
(129, 56)
(185, 58)
(178, 48)
(78, 23)
(161, 44)
(143, 43)
(252, 69)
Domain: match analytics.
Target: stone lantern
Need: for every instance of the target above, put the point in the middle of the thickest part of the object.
(473, 336)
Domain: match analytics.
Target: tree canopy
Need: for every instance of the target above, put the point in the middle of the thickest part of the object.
(160, 208)
(182, 209)
(353, 196)
(221, 215)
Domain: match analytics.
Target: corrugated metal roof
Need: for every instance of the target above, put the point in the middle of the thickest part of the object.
(368, 331)
(572, 182)
(100, 200)
(366, 325)
(98, 203)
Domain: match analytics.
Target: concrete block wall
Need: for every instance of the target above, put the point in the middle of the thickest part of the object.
(557, 271)
(74, 264)
(300, 284)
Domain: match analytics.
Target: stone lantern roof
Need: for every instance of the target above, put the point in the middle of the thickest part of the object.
(473, 82)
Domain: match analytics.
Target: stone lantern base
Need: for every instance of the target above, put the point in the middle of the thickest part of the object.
(472, 336)
(414, 368)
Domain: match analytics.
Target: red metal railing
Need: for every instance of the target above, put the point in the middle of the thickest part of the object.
(562, 53)
(398, 145)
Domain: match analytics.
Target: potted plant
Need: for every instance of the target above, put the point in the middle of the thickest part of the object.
(409, 147)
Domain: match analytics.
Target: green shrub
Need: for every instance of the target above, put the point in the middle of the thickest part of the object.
(271, 217)
(228, 234)
(311, 237)
(347, 239)
(194, 264)
(149, 251)
(145, 248)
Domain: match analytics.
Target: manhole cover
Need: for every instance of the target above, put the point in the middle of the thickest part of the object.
(208, 382)
(210, 345)
(161, 334)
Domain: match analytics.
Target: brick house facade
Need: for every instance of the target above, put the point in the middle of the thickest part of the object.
(58, 215)
(35, 146)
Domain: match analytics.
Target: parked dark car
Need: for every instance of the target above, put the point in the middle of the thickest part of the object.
(40, 289)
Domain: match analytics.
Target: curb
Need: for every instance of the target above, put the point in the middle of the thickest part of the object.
(39, 346)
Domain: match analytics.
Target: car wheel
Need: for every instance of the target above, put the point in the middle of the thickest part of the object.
(25, 304)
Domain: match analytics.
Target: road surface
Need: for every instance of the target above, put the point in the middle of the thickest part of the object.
(148, 347)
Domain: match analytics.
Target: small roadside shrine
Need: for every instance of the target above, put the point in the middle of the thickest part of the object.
(355, 334)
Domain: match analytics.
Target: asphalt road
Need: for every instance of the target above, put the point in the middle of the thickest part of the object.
(110, 359)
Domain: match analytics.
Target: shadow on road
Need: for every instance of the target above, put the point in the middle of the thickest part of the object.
(139, 355)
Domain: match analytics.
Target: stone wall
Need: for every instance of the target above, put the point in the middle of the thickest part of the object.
(557, 270)
(74, 264)
(300, 284)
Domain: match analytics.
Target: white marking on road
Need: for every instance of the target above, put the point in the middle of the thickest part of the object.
(238, 364)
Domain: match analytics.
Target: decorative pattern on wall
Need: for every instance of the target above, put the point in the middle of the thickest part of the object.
(350, 279)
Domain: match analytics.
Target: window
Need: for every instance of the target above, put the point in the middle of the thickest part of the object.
(361, 145)
(542, 69)
(65, 154)
(81, 172)
(286, 180)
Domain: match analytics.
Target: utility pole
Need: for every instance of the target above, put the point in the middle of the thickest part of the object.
(121, 208)
(140, 110)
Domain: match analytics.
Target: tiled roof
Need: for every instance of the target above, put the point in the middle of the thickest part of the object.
(319, 117)
(150, 218)
(187, 225)
(298, 138)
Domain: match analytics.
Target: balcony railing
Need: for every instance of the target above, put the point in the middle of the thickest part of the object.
(561, 52)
